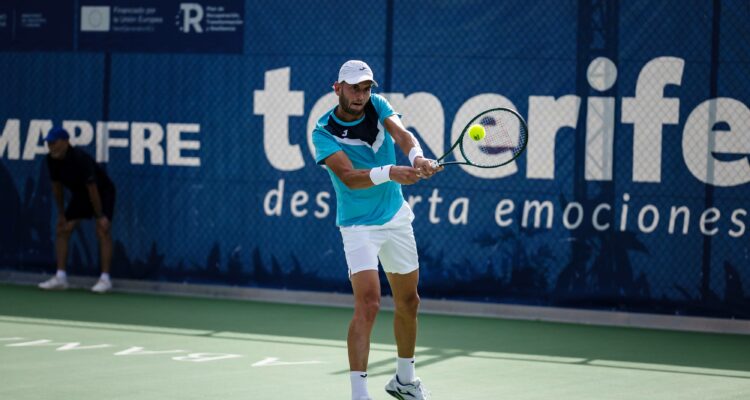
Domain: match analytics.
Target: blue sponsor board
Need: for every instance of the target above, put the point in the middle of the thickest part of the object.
(36, 25)
(213, 26)
(632, 194)
(6, 26)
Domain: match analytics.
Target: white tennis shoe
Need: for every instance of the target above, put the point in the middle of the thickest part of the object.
(409, 391)
(102, 286)
(54, 283)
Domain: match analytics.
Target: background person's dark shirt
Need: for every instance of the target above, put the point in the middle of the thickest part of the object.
(76, 170)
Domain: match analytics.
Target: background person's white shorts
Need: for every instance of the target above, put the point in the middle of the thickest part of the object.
(392, 242)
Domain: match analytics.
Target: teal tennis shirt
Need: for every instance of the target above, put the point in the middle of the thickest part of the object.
(368, 145)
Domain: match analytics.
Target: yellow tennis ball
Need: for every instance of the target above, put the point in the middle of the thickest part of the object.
(476, 132)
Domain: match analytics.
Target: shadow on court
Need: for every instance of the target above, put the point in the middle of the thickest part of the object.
(441, 338)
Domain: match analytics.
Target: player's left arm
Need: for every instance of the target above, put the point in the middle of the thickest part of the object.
(410, 146)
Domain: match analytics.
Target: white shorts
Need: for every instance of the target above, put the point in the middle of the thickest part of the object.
(392, 242)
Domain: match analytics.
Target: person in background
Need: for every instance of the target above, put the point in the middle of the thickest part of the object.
(92, 197)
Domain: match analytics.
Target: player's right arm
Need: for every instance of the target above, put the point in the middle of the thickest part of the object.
(353, 178)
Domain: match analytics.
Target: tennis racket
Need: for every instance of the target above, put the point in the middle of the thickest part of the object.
(505, 138)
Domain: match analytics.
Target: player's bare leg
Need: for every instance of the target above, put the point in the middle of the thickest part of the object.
(406, 302)
(366, 287)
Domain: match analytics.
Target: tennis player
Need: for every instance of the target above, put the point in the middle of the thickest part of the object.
(355, 141)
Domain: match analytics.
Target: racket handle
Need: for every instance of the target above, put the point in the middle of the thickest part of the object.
(434, 164)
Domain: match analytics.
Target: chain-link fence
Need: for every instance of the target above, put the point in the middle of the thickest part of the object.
(631, 195)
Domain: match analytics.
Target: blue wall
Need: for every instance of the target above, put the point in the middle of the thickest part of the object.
(198, 214)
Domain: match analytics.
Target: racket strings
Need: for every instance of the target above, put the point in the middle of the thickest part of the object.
(504, 139)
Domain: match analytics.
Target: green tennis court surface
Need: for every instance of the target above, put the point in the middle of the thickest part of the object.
(77, 345)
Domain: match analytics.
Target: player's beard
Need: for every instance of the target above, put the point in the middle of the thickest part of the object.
(346, 106)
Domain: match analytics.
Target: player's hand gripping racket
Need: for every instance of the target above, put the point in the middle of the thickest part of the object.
(505, 138)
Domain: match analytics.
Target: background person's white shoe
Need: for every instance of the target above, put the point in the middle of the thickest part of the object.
(54, 283)
(409, 391)
(102, 286)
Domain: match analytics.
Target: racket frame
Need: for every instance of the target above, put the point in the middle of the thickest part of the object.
(459, 142)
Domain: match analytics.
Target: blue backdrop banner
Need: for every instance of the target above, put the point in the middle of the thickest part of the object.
(174, 26)
(632, 194)
(36, 25)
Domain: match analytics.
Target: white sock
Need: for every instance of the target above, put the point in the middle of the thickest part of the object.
(61, 274)
(405, 369)
(359, 384)
(104, 277)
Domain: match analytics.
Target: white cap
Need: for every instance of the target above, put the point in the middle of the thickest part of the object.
(355, 71)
